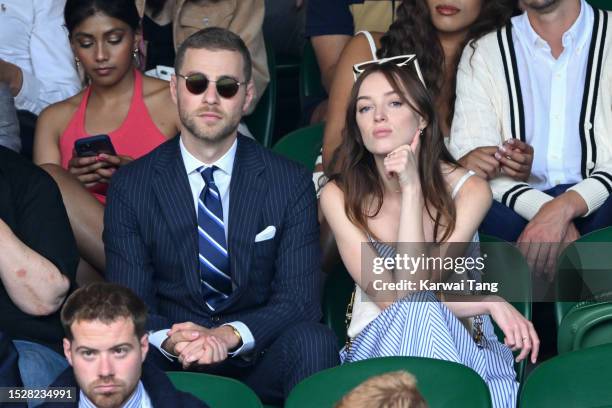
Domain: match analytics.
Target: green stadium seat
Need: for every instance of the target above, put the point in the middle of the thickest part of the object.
(261, 121)
(602, 4)
(310, 76)
(505, 265)
(302, 145)
(336, 297)
(216, 391)
(442, 383)
(584, 270)
(577, 379)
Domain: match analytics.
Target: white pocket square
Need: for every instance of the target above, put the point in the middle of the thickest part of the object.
(266, 234)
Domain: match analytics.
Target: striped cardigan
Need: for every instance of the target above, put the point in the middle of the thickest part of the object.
(489, 110)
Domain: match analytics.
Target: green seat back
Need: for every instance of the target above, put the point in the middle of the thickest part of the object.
(261, 121)
(580, 378)
(337, 295)
(581, 255)
(310, 76)
(585, 267)
(442, 383)
(302, 145)
(602, 4)
(217, 392)
(505, 265)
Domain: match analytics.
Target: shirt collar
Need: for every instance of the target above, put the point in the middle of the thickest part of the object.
(133, 402)
(575, 36)
(224, 164)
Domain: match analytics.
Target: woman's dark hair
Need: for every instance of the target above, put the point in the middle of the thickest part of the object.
(355, 171)
(414, 33)
(76, 11)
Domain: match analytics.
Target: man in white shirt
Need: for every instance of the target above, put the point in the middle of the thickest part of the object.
(543, 80)
(220, 237)
(36, 61)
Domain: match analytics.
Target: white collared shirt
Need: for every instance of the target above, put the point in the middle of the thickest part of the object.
(222, 177)
(34, 38)
(552, 92)
(138, 399)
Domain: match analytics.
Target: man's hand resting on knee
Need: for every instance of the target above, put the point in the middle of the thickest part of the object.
(548, 229)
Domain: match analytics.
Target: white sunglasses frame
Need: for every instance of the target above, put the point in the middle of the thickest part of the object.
(407, 58)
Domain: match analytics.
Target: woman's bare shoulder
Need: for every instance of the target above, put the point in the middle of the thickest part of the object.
(59, 114)
(473, 184)
(153, 87)
(358, 48)
(331, 191)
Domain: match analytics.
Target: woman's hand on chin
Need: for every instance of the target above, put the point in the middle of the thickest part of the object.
(519, 332)
(403, 163)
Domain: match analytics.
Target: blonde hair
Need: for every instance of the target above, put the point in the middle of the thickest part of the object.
(392, 390)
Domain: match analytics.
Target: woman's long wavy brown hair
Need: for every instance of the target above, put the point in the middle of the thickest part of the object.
(414, 33)
(355, 171)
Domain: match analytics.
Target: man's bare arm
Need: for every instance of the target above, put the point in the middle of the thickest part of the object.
(34, 284)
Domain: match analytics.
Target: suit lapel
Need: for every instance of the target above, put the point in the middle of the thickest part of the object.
(247, 190)
(174, 195)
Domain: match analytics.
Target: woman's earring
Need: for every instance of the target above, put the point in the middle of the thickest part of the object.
(137, 58)
(81, 72)
(421, 132)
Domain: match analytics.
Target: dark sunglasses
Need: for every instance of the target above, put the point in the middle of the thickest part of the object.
(197, 84)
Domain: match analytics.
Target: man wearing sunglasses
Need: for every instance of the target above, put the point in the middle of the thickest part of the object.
(219, 236)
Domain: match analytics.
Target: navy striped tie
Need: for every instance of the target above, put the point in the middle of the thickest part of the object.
(214, 260)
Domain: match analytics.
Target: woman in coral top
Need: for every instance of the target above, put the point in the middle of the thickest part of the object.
(135, 111)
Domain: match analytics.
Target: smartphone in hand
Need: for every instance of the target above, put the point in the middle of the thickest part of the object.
(93, 146)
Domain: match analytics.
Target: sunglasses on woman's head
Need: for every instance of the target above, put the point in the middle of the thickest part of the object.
(197, 84)
(398, 60)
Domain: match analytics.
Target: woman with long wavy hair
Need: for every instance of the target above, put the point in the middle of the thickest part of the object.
(436, 31)
(397, 194)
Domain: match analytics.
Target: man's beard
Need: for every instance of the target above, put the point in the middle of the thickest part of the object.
(210, 136)
(108, 400)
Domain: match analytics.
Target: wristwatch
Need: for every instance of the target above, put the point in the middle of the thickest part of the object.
(237, 333)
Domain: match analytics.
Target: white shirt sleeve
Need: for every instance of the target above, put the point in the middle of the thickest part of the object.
(53, 77)
(156, 338)
(248, 341)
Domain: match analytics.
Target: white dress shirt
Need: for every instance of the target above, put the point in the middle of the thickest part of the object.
(33, 37)
(222, 176)
(138, 399)
(552, 98)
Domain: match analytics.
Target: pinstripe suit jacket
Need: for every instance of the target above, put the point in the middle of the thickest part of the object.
(151, 242)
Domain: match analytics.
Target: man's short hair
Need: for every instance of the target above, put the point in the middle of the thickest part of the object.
(105, 302)
(215, 39)
(392, 390)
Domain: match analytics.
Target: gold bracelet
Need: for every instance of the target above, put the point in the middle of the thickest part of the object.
(237, 333)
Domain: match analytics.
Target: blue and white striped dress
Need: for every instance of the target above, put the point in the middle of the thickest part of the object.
(422, 326)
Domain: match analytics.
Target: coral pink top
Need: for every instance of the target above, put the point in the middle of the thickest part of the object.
(136, 136)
